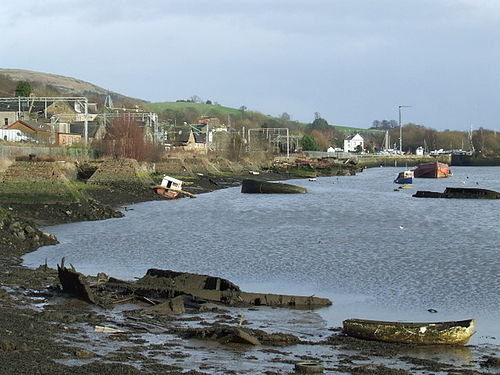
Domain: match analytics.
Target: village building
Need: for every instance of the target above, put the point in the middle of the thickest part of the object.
(95, 129)
(352, 143)
(8, 118)
(67, 139)
(34, 132)
(185, 139)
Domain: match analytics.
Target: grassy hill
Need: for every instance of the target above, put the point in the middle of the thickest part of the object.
(63, 85)
(202, 108)
(206, 109)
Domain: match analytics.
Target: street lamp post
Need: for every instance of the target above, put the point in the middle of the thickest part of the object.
(401, 128)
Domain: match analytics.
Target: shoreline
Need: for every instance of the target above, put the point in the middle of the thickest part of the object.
(57, 313)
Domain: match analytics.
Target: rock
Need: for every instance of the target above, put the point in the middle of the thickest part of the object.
(14, 226)
(309, 368)
(244, 337)
(7, 345)
(491, 362)
(20, 235)
(29, 230)
(49, 236)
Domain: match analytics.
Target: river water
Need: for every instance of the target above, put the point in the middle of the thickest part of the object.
(375, 252)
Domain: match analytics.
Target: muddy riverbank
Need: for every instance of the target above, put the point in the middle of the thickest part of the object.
(45, 331)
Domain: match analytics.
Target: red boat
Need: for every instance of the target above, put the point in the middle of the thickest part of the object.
(432, 170)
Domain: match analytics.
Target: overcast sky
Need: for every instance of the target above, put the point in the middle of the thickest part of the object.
(353, 61)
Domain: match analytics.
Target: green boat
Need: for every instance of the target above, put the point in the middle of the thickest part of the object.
(264, 187)
(438, 333)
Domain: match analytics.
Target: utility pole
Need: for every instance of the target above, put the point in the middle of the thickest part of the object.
(206, 139)
(401, 128)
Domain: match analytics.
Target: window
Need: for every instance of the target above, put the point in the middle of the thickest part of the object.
(6, 121)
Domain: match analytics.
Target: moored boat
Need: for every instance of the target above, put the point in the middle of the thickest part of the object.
(432, 170)
(265, 187)
(405, 177)
(437, 333)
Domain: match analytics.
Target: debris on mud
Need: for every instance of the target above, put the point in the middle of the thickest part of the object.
(225, 334)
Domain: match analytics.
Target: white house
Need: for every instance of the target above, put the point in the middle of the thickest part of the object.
(419, 151)
(353, 142)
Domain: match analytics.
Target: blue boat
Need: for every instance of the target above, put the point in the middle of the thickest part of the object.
(405, 177)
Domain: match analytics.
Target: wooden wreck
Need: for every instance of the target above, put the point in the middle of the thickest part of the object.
(159, 285)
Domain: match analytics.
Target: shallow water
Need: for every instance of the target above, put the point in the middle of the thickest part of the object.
(376, 252)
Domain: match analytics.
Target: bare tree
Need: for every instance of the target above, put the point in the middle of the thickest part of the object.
(125, 139)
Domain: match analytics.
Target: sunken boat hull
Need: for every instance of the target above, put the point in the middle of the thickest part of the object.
(459, 193)
(432, 170)
(265, 187)
(438, 333)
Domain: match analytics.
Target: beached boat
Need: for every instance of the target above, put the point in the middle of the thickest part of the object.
(171, 188)
(265, 187)
(432, 170)
(405, 177)
(459, 193)
(442, 333)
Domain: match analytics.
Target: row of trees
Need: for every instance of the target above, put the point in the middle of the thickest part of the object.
(384, 124)
(414, 136)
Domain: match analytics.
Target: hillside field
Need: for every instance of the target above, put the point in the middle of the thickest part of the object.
(204, 109)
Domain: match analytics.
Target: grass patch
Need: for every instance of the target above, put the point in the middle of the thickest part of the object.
(43, 192)
(3, 213)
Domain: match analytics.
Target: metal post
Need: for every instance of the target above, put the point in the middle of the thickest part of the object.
(206, 140)
(400, 133)
(287, 143)
(401, 128)
(154, 117)
(86, 122)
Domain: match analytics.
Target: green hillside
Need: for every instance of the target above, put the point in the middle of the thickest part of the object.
(200, 107)
(206, 109)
